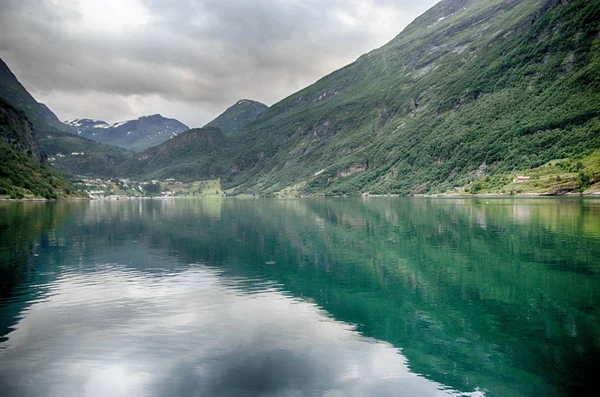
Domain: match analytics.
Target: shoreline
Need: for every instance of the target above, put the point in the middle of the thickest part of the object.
(42, 199)
(504, 195)
(26, 199)
(364, 196)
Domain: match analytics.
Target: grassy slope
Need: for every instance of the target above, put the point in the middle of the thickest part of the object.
(206, 188)
(499, 85)
(553, 178)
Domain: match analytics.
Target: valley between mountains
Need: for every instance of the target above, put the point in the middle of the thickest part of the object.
(470, 96)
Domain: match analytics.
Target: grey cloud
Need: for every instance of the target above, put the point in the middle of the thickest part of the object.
(204, 53)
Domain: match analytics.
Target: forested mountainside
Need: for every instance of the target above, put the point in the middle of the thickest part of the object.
(186, 157)
(468, 90)
(471, 88)
(136, 135)
(74, 155)
(22, 172)
(190, 156)
(236, 117)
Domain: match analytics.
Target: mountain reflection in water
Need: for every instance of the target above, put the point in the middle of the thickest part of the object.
(345, 297)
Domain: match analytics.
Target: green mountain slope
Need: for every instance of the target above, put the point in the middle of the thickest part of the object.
(186, 157)
(469, 89)
(238, 116)
(75, 155)
(56, 139)
(22, 173)
(13, 92)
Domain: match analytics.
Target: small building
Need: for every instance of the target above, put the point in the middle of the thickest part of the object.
(96, 194)
(521, 179)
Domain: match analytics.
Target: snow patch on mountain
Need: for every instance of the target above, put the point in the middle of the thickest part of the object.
(137, 134)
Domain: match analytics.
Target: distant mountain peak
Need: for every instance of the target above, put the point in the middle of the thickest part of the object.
(137, 135)
(238, 116)
(248, 102)
(85, 123)
(152, 116)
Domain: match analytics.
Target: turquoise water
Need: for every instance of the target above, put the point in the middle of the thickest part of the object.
(311, 297)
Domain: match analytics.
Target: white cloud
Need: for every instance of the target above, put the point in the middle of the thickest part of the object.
(113, 15)
(199, 55)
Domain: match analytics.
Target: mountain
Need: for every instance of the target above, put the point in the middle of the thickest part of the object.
(17, 132)
(238, 116)
(75, 155)
(470, 89)
(22, 169)
(136, 135)
(13, 92)
(83, 125)
(189, 155)
(90, 158)
(186, 157)
(470, 93)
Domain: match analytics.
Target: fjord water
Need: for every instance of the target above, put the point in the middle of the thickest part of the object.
(310, 297)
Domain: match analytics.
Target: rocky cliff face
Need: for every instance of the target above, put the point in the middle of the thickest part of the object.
(17, 132)
(22, 172)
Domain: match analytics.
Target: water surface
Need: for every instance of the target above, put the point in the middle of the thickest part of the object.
(313, 297)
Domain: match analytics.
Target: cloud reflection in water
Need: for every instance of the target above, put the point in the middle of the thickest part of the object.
(198, 332)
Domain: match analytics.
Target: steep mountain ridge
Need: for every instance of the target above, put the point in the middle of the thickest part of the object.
(136, 135)
(13, 92)
(471, 88)
(237, 116)
(72, 154)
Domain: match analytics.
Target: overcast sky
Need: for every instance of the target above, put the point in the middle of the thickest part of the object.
(188, 59)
